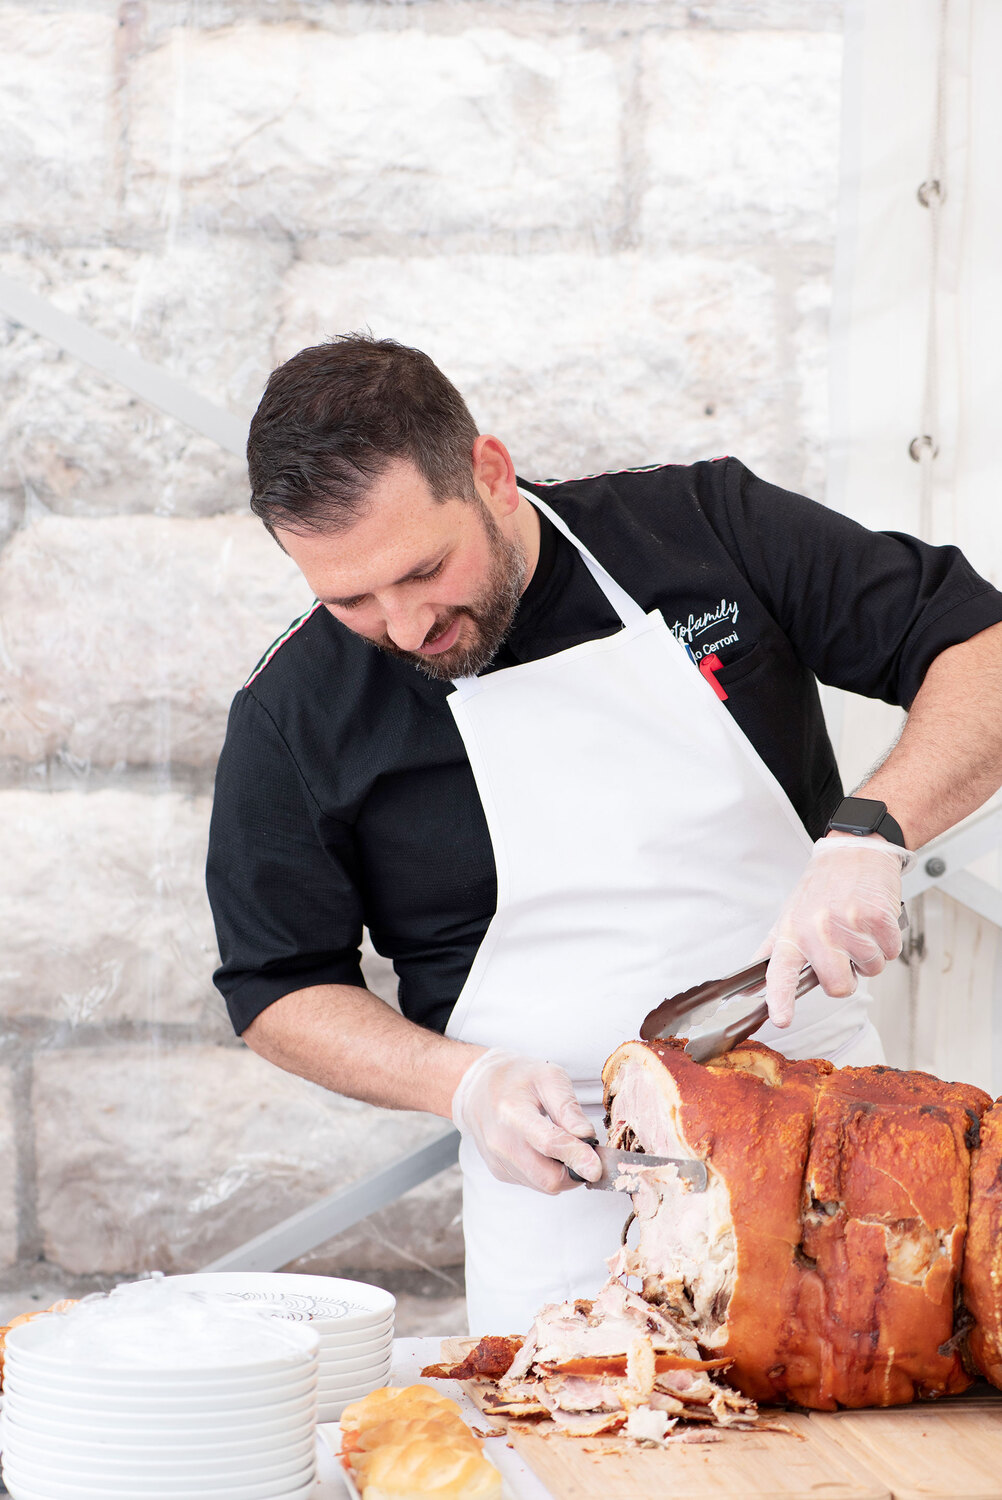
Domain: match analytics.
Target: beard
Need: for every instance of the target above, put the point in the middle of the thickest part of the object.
(490, 614)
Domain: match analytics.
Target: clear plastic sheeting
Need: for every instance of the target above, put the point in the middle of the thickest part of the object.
(210, 187)
(156, 1327)
(915, 393)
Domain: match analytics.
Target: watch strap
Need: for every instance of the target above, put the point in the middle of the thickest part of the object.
(890, 829)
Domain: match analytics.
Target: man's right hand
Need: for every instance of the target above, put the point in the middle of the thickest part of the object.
(525, 1121)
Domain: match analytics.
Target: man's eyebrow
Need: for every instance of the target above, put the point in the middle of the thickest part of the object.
(424, 566)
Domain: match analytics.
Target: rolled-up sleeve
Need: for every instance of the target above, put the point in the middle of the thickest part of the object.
(867, 611)
(281, 877)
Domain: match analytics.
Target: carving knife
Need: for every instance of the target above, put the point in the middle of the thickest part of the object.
(616, 1162)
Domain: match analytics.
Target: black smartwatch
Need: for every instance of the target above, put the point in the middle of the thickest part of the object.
(861, 815)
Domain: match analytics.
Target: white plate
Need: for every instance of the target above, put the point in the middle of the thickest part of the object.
(332, 1366)
(332, 1412)
(42, 1345)
(290, 1382)
(330, 1409)
(342, 1388)
(340, 1367)
(181, 1460)
(329, 1328)
(249, 1393)
(211, 1427)
(267, 1392)
(126, 1440)
(362, 1377)
(46, 1464)
(345, 1348)
(79, 1398)
(329, 1301)
(59, 1440)
(357, 1336)
(291, 1415)
(36, 1448)
(25, 1487)
(21, 1490)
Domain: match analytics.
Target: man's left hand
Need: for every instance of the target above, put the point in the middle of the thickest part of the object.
(842, 919)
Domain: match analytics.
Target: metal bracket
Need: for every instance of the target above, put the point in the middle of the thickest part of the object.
(941, 865)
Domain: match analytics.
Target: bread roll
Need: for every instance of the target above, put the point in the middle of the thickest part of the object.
(395, 1402)
(400, 1430)
(429, 1470)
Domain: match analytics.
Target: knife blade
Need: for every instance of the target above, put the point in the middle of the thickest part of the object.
(613, 1162)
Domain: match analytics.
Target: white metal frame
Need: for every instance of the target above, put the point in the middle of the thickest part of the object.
(942, 865)
(302, 1232)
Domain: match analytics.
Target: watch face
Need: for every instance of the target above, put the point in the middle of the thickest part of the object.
(858, 815)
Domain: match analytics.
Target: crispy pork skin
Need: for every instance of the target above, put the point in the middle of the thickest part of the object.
(982, 1275)
(824, 1259)
(886, 1196)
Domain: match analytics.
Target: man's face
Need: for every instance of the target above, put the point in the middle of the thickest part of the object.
(433, 582)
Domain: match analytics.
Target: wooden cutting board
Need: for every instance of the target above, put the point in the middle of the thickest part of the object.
(949, 1450)
(779, 1465)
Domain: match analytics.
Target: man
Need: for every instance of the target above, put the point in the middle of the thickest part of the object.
(559, 746)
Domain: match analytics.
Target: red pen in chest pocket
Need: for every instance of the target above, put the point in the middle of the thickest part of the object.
(708, 666)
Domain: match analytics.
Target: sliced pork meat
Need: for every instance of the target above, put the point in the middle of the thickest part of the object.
(824, 1259)
(589, 1364)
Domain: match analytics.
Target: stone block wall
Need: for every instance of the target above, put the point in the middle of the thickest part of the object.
(610, 221)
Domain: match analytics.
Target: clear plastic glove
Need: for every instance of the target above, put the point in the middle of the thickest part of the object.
(842, 919)
(525, 1121)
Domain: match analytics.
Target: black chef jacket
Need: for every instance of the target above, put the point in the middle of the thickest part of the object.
(344, 796)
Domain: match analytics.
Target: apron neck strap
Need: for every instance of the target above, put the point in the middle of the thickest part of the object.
(627, 608)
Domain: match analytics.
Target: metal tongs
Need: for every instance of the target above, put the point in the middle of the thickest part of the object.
(703, 1001)
(707, 999)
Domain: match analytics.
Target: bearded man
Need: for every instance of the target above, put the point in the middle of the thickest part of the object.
(559, 747)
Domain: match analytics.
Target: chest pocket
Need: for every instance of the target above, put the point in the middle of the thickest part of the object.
(735, 667)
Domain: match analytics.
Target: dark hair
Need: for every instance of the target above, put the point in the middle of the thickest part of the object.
(335, 415)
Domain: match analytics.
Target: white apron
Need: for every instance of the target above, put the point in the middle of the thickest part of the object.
(642, 846)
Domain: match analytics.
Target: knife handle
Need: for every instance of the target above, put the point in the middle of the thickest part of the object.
(587, 1140)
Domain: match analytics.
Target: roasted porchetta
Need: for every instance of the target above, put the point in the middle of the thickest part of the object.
(826, 1260)
(847, 1250)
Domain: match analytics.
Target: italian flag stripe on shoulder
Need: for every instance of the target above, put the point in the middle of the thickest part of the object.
(276, 645)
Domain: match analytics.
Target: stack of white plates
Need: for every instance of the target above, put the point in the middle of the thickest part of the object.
(164, 1398)
(354, 1322)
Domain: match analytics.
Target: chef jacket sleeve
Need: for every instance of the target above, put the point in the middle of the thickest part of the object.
(280, 876)
(865, 610)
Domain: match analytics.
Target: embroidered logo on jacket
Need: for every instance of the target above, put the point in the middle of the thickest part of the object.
(706, 634)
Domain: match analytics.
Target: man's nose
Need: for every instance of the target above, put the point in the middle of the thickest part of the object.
(407, 626)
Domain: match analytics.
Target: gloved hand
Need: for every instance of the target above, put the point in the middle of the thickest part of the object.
(525, 1121)
(842, 916)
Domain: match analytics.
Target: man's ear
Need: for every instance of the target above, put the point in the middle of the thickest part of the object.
(494, 476)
